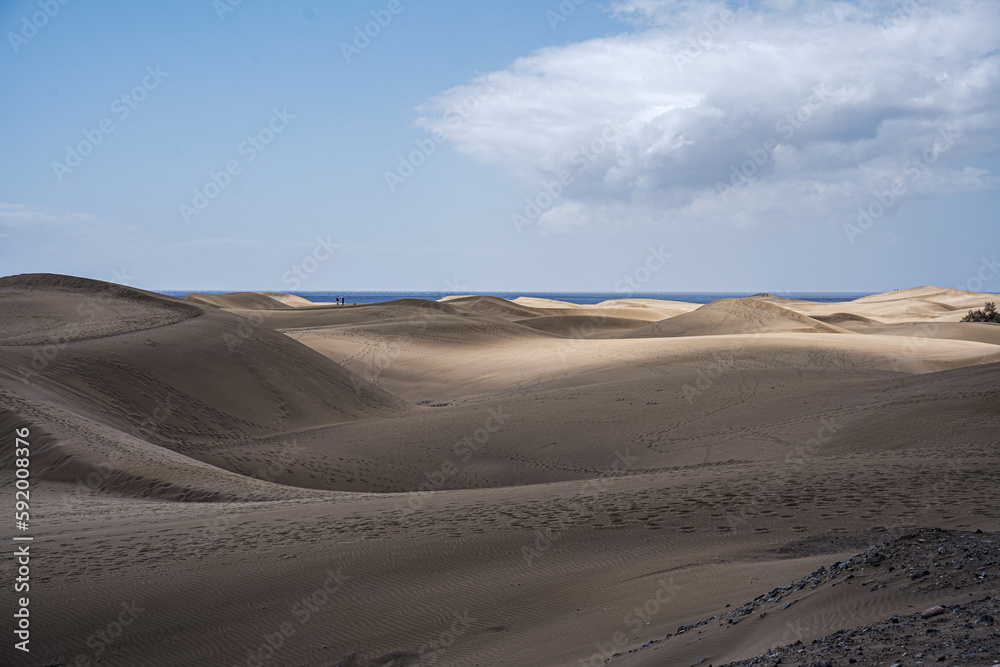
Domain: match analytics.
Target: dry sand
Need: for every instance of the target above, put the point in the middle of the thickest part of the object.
(253, 479)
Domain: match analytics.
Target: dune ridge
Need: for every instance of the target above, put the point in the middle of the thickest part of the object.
(735, 316)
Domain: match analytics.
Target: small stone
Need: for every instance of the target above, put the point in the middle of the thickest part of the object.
(985, 619)
(932, 612)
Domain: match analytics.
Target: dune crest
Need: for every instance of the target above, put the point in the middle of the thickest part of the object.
(43, 309)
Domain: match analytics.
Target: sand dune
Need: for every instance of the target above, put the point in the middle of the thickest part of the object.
(922, 293)
(175, 382)
(492, 305)
(477, 480)
(332, 315)
(734, 316)
(524, 308)
(917, 333)
(848, 318)
(237, 300)
(42, 308)
(292, 300)
(583, 326)
(920, 304)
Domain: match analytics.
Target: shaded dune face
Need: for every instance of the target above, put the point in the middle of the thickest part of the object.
(584, 326)
(146, 368)
(839, 318)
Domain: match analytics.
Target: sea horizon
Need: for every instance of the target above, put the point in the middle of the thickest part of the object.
(580, 298)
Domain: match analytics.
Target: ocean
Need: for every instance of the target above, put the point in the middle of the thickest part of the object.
(571, 297)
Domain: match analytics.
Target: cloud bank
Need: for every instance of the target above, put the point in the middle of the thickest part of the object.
(775, 112)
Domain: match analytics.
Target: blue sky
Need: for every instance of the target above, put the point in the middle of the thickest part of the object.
(494, 146)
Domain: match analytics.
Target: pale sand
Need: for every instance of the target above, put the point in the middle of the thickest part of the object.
(626, 451)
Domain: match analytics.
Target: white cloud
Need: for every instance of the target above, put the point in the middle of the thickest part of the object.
(835, 100)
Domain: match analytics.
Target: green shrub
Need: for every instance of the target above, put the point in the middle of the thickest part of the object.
(987, 314)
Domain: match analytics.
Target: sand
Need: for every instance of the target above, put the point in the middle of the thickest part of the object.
(253, 479)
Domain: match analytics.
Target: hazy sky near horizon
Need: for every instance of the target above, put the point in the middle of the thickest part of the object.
(766, 145)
